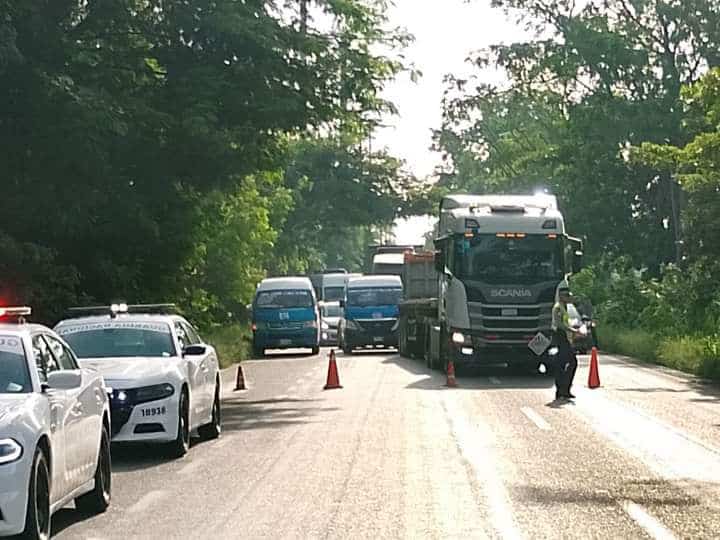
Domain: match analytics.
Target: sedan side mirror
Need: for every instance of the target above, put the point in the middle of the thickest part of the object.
(64, 380)
(194, 350)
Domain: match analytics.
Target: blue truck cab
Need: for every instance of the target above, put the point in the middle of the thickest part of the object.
(371, 311)
(285, 316)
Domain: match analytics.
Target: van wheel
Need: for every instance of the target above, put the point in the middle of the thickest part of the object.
(37, 520)
(98, 500)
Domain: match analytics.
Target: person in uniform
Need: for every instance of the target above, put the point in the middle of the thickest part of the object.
(562, 337)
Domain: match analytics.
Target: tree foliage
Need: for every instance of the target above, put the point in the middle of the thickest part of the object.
(143, 143)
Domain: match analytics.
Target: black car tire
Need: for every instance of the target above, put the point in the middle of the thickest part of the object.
(38, 518)
(180, 446)
(214, 428)
(98, 500)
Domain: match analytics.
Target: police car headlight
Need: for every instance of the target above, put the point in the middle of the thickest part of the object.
(153, 393)
(10, 450)
(458, 338)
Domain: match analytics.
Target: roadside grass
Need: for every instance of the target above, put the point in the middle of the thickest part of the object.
(698, 355)
(233, 343)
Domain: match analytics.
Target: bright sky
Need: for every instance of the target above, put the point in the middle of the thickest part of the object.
(446, 32)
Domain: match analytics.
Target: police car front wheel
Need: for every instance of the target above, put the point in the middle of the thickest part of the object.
(37, 520)
(180, 446)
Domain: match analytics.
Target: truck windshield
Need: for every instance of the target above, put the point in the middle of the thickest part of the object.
(333, 294)
(495, 260)
(14, 375)
(376, 296)
(286, 299)
(121, 342)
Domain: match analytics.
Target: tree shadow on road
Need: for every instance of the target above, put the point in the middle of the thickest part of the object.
(243, 415)
(643, 492)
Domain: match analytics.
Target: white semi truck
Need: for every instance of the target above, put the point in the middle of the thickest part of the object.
(485, 296)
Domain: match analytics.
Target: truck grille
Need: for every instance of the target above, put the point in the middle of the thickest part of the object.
(286, 325)
(510, 322)
(377, 327)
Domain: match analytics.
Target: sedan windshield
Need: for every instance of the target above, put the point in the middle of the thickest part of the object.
(14, 375)
(496, 260)
(377, 296)
(286, 299)
(113, 342)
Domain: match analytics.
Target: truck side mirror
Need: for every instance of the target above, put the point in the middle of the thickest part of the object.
(577, 261)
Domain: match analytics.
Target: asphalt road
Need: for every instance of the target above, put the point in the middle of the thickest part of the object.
(394, 454)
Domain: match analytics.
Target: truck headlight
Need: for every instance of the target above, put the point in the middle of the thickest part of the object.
(325, 326)
(10, 450)
(458, 338)
(153, 393)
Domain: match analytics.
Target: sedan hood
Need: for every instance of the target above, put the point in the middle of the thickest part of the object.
(129, 370)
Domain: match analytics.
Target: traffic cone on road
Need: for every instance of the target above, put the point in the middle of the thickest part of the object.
(240, 379)
(333, 379)
(451, 382)
(594, 375)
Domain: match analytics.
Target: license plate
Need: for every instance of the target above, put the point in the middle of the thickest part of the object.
(378, 339)
(153, 411)
(509, 312)
(285, 342)
(539, 343)
(284, 316)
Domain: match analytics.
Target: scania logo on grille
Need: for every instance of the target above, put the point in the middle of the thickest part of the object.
(511, 293)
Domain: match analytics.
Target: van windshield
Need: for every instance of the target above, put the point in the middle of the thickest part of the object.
(285, 299)
(376, 296)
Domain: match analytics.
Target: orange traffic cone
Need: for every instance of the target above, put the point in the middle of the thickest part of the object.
(240, 379)
(333, 379)
(594, 376)
(451, 382)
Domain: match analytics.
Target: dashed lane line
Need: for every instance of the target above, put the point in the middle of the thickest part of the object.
(536, 419)
(650, 525)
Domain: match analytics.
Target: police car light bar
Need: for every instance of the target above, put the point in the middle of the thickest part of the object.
(16, 313)
(114, 309)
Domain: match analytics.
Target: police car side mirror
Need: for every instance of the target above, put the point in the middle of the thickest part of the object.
(194, 350)
(64, 380)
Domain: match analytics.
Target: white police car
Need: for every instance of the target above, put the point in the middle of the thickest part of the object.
(165, 380)
(54, 429)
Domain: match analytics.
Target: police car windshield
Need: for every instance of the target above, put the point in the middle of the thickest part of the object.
(287, 299)
(490, 259)
(376, 296)
(14, 375)
(117, 341)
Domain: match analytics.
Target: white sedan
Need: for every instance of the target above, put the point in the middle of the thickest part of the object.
(54, 430)
(165, 380)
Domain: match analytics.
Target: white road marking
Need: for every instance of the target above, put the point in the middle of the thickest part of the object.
(495, 380)
(146, 500)
(670, 453)
(536, 419)
(651, 525)
(477, 445)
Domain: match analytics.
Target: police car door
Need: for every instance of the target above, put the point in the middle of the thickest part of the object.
(196, 377)
(208, 365)
(61, 419)
(89, 406)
